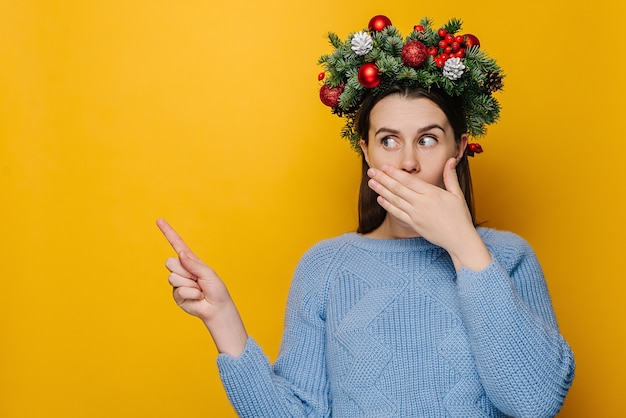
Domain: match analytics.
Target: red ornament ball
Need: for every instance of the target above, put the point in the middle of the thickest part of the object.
(378, 23)
(470, 40)
(414, 53)
(330, 95)
(368, 75)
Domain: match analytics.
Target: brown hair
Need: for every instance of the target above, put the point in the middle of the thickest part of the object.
(371, 214)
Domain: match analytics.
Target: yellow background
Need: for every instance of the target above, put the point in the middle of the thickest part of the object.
(114, 113)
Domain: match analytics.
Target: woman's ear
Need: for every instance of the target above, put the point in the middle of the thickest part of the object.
(461, 147)
(364, 150)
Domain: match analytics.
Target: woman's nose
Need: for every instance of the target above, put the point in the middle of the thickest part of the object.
(410, 162)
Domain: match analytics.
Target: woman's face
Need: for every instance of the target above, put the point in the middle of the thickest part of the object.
(412, 134)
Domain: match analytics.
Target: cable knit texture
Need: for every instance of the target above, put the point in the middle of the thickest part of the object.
(387, 328)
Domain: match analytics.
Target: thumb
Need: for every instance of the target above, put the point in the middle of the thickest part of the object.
(450, 179)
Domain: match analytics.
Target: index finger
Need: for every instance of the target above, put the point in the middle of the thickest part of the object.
(173, 238)
(396, 180)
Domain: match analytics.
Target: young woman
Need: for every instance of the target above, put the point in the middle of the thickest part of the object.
(418, 313)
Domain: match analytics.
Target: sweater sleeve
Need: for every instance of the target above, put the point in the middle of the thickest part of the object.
(525, 365)
(296, 385)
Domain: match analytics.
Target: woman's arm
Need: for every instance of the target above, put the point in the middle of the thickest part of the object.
(524, 363)
(296, 385)
(200, 292)
(438, 214)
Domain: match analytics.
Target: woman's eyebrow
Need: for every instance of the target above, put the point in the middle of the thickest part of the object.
(387, 130)
(419, 131)
(429, 127)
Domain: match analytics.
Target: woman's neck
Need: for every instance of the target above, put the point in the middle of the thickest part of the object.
(391, 228)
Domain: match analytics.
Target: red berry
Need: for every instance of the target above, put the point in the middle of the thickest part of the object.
(432, 51)
(321, 76)
(439, 62)
(458, 39)
(444, 57)
(461, 53)
(474, 148)
(447, 50)
(449, 38)
(442, 33)
(442, 44)
(418, 28)
(455, 46)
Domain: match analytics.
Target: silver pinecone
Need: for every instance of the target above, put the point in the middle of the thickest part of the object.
(361, 43)
(453, 68)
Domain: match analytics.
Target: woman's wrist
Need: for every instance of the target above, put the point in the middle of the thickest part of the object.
(227, 330)
(471, 254)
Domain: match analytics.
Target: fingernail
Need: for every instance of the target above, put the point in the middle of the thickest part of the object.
(371, 172)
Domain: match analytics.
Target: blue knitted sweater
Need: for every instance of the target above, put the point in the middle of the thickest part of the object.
(387, 328)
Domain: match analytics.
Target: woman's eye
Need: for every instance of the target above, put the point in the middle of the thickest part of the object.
(389, 142)
(427, 141)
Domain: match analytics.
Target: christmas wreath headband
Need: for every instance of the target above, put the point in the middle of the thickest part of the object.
(370, 61)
